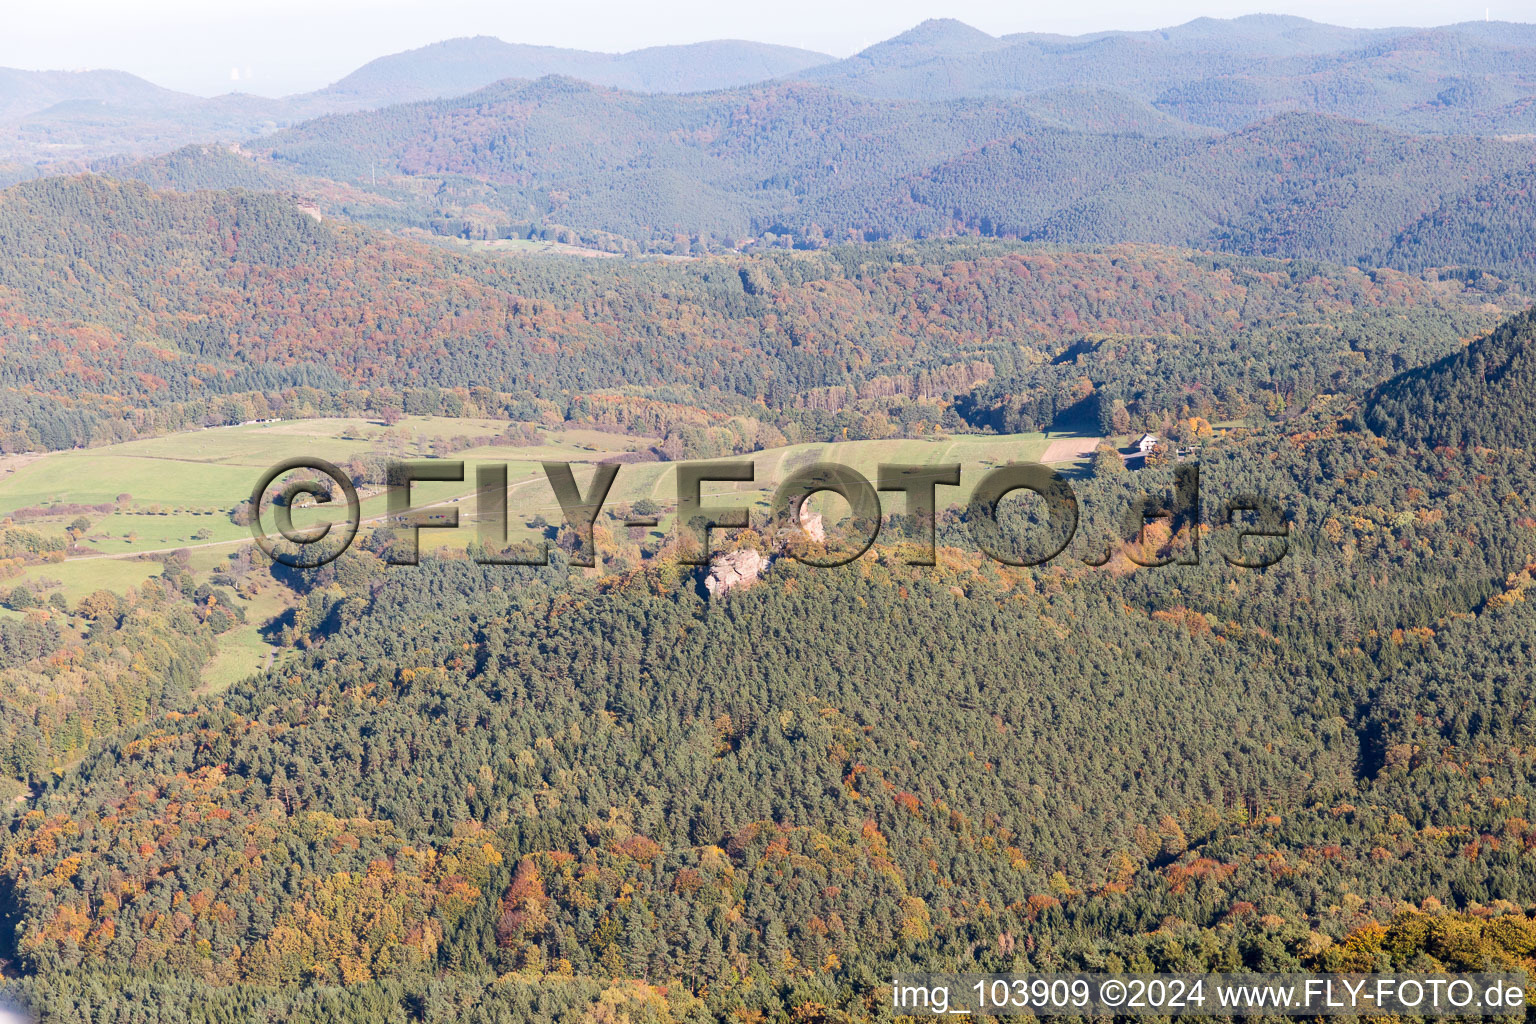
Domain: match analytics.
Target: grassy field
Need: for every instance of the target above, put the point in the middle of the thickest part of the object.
(243, 651)
(99, 476)
(81, 576)
(526, 247)
(182, 487)
(214, 469)
(657, 481)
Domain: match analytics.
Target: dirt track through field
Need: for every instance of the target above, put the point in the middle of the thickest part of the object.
(1066, 449)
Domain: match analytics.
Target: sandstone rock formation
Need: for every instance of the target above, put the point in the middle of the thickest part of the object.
(811, 523)
(734, 569)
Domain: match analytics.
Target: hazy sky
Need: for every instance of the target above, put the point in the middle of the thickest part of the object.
(281, 46)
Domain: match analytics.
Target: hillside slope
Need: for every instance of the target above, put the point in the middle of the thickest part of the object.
(1473, 77)
(1468, 79)
(476, 777)
(55, 117)
(127, 311)
(814, 164)
(1447, 403)
(458, 66)
(29, 92)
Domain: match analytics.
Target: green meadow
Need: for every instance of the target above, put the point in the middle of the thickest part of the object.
(243, 651)
(181, 488)
(78, 577)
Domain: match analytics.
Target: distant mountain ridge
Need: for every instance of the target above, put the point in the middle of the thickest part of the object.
(805, 164)
(1262, 135)
(458, 66)
(23, 93)
(57, 115)
(1226, 74)
(1474, 78)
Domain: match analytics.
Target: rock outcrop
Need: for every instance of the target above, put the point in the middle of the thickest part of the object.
(742, 568)
(811, 524)
(734, 569)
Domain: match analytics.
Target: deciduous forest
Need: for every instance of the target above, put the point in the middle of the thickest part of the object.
(627, 794)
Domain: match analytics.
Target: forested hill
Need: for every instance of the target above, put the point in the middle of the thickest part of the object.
(1473, 77)
(494, 794)
(801, 164)
(128, 312)
(1447, 403)
(58, 116)
(465, 792)
(458, 66)
(29, 92)
(1491, 225)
